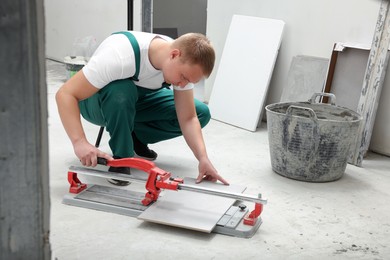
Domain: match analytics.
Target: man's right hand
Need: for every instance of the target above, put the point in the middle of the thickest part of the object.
(87, 153)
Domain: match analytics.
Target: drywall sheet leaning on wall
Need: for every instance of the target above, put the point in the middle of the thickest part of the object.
(245, 70)
(306, 76)
(349, 73)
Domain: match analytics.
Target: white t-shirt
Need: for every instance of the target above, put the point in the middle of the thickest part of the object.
(114, 59)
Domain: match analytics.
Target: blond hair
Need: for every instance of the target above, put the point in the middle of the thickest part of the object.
(196, 49)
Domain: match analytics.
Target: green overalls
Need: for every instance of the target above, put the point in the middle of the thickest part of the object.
(123, 107)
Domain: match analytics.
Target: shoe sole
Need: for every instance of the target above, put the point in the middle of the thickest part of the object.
(118, 182)
(145, 158)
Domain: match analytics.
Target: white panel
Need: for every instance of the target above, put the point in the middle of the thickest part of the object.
(191, 210)
(245, 70)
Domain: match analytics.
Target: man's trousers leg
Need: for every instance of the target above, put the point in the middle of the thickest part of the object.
(114, 107)
(123, 108)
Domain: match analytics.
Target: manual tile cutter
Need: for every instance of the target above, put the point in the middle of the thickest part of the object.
(237, 221)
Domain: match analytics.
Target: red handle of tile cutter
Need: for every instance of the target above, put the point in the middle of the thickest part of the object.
(158, 179)
(137, 163)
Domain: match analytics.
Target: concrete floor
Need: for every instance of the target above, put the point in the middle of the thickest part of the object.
(345, 219)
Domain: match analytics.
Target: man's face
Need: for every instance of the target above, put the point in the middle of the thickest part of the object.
(178, 73)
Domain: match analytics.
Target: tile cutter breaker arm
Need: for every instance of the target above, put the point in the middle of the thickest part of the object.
(157, 180)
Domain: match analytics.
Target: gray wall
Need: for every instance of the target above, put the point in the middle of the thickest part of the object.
(71, 19)
(185, 15)
(312, 27)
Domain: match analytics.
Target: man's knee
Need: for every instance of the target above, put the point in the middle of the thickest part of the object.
(203, 113)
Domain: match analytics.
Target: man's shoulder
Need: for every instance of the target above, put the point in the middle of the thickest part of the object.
(143, 36)
(147, 36)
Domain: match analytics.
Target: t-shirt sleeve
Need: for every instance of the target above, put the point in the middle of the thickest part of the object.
(187, 87)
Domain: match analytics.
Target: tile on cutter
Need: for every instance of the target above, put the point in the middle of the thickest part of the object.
(191, 210)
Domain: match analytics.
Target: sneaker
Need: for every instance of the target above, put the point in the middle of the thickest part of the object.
(123, 170)
(142, 150)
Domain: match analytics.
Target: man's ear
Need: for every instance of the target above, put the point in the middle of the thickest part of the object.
(175, 53)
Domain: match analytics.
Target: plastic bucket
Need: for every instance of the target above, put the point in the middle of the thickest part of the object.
(311, 141)
(73, 64)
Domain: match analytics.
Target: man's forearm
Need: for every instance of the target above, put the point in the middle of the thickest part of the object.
(69, 112)
(192, 133)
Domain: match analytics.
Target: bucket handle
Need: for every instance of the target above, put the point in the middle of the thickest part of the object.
(311, 112)
(290, 135)
(332, 97)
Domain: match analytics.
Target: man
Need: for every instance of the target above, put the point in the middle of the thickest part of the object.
(123, 87)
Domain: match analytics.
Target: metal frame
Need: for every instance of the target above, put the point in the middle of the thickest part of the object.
(125, 202)
(130, 15)
(236, 221)
(147, 15)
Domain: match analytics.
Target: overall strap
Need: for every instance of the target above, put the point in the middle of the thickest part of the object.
(137, 53)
